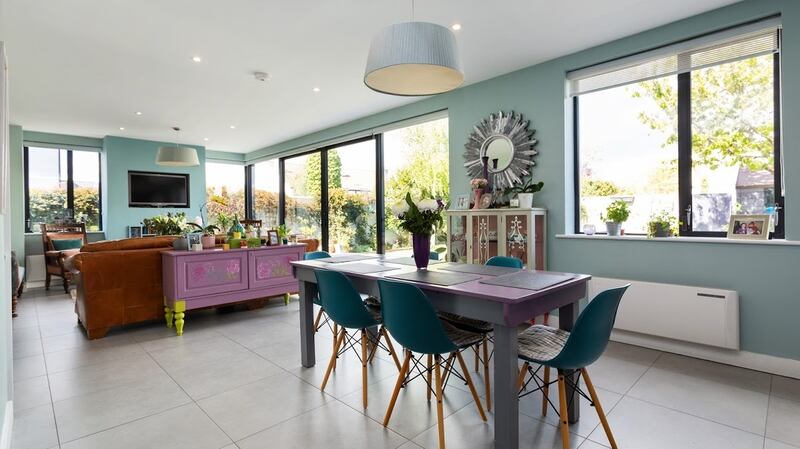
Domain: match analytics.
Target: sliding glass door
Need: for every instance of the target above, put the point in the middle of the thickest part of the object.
(302, 187)
(351, 198)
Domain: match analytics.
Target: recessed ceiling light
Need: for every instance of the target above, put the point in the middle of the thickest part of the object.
(456, 26)
(121, 128)
(315, 89)
(233, 126)
(206, 139)
(138, 112)
(197, 59)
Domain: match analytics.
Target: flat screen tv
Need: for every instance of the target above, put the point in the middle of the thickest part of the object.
(151, 189)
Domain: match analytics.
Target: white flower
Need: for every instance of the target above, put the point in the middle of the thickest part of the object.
(400, 208)
(427, 205)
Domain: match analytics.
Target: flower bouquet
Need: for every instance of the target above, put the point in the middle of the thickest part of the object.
(420, 219)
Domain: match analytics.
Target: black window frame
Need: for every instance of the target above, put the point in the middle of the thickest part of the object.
(685, 204)
(70, 187)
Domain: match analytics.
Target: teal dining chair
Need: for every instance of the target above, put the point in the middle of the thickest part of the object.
(555, 348)
(413, 322)
(344, 306)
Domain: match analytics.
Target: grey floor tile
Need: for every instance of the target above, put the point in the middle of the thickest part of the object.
(465, 430)
(589, 444)
(185, 427)
(76, 358)
(621, 366)
(31, 392)
(412, 414)
(251, 408)
(34, 428)
(83, 415)
(76, 340)
(772, 444)
(783, 422)
(641, 425)
(286, 352)
(786, 388)
(347, 377)
(335, 426)
(103, 376)
(226, 373)
(197, 352)
(28, 367)
(733, 396)
(259, 334)
(27, 347)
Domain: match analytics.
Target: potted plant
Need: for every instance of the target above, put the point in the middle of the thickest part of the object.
(478, 184)
(616, 213)
(236, 230)
(167, 224)
(283, 234)
(209, 235)
(224, 221)
(525, 192)
(662, 224)
(421, 220)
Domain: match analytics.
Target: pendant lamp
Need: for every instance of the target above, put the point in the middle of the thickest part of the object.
(414, 59)
(177, 156)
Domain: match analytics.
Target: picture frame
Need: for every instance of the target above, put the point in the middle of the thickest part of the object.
(749, 227)
(272, 238)
(460, 202)
(486, 201)
(135, 231)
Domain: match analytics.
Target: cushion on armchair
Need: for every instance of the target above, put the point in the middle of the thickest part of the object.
(64, 244)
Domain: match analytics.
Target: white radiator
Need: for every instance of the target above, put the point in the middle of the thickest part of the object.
(34, 266)
(694, 314)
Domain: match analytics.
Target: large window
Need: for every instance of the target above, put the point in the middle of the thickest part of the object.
(700, 143)
(303, 194)
(265, 193)
(224, 190)
(62, 184)
(351, 198)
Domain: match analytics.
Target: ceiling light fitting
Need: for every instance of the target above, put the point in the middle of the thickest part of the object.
(177, 156)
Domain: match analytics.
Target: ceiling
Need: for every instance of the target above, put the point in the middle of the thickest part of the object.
(86, 67)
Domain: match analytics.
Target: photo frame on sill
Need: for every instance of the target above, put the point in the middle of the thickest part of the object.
(460, 202)
(272, 238)
(749, 227)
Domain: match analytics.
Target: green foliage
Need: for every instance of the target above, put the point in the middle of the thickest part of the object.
(617, 212)
(167, 224)
(283, 231)
(207, 230)
(47, 206)
(599, 187)
(527, 186)
(420, 220)
(663, 220)
(732, 113)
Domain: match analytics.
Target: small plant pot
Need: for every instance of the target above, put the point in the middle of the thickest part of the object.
(661, 231)
(209, 241)
(180, 244)
(525, 200)
(613, 229)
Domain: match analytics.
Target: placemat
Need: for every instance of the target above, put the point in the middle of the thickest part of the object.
(434, 277)
(529, 280)
(409, 261)
(486, 270)
(362, 268)
(346, 258)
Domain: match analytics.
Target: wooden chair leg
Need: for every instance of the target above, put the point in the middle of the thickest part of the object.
(471, 385)
(335, 334)
(600, 413)
(47, 281)
(521, 378)
(546, 318)
(389, 345)
(66, 284)
(336, 343)
(486, 379)
(319, 318)
(428, 374)
(545, 390)
(477, 350)
(397, 386)
(364, 353)
(439, 409)
(564, 416)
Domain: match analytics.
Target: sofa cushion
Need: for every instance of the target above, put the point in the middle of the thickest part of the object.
(129, 244)
(62, 244)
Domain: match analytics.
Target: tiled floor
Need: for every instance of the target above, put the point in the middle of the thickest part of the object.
(234, 380)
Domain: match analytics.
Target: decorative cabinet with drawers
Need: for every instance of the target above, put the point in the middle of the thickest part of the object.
(475, 235)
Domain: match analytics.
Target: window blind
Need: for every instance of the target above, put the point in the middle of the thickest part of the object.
(747, 41)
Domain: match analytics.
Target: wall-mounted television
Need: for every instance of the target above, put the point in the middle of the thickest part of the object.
(152, 189)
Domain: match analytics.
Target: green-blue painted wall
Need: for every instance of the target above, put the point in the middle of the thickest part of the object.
(120, 155)
(765, 276)
(16, 189)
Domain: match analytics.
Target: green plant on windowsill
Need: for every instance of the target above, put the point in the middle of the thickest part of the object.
(283, 233)
(616, 213)
(662, 224)
(167, 224)
(224, 222)
(208, 230)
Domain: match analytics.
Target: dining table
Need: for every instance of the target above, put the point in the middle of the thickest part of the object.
(479, 296)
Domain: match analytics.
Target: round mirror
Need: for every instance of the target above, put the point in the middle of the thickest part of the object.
(500, 152)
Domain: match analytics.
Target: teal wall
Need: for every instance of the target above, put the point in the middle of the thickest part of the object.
(16, 189)
(120, 155)
(765, 276)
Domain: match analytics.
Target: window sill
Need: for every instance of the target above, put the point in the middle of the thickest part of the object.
(717, 240)
(87, 232)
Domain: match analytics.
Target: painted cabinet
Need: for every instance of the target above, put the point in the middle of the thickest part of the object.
(476, 235)
(194, 280)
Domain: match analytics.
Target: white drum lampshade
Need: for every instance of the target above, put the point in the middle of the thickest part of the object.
(414, 59)
(177, 157)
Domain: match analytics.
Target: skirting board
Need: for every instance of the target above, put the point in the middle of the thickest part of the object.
(743, 359)
(8, 426)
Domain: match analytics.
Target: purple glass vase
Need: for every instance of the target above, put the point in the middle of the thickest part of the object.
(422, 250)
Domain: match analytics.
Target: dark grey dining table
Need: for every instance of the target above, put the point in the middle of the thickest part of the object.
(506, 307)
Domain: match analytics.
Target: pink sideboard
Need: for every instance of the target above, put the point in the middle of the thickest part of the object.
(194, 280)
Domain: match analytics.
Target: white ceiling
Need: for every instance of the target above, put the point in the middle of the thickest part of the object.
(85, 67)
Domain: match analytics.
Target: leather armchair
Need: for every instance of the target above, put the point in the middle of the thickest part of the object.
(55, 259)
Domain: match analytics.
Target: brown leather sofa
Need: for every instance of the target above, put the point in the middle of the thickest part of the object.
(119, 282)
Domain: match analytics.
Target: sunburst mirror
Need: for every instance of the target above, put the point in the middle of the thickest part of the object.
(506, 144)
